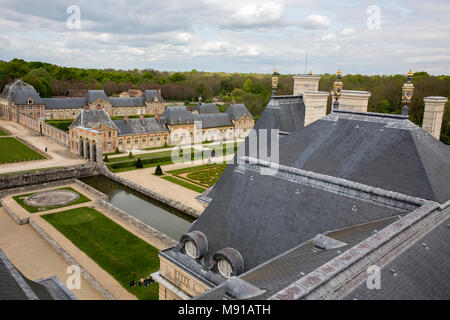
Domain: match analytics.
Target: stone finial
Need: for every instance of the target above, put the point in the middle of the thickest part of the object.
(407, 93)
(275, 82)
(337, 87)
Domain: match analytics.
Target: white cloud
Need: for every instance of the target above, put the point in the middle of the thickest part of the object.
(316, 21)
(261, 15)
(328, 37)
(184, 36)
(348, 31)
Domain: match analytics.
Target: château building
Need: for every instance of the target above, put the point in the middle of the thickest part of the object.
(20, 97)
(353, 194)
(93, 132)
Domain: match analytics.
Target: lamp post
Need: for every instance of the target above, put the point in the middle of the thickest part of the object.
(407, 93)
(275, 82)
(337, 87)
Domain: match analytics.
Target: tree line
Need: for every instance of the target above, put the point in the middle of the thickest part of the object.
(254, 90)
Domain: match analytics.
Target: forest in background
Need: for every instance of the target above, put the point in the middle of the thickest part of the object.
(251, 89)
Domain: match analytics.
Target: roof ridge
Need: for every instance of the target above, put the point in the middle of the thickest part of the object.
(382, 196)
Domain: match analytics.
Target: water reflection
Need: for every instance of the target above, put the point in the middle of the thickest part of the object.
(166, 219)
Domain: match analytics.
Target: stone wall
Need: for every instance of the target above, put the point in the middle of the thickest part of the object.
(55, 134)
(44, 176)
(28, 122)
(172, 203)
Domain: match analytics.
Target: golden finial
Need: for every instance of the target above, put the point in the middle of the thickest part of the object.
(410, 73)
(275, 82)
(310, 72)
(339, 73)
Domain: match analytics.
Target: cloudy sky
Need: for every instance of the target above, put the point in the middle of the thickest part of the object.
(368, 37)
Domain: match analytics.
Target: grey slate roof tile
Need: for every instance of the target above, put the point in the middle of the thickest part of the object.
(206, 108)
(213, 120)
(64, 103)
(236, 111)
(421, 272)
(133, 126)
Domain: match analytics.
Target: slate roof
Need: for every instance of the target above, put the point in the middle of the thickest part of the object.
(150, 125)
(286, 268)
(420, 272)
(94, 95)
(213, 120)
(178, 115)
(385, 151)
(206, 108)
(15, 286)
(19, 92)
(237, 111)
(149, 95)
(90, 118)
(64, 103)
(262, 216)
(127, 102)
(265, 215)
(285, 113)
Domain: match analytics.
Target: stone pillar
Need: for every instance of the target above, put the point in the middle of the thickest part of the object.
(306, 82)
(85, 150)
(432, 116)
(352, 100)
(315, 105)
(99, 152)
(80, 148)
(92, 151)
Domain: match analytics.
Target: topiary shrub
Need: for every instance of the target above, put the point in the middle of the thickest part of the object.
(117, 150)
(130, 155)
(105, 159)
(158, 170)
(139, 163)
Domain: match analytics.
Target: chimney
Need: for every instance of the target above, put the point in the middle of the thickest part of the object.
(142, 118)
(159, 91)
(157, 117)
(351, 100)
(432, 116)
(126, 119)
(306, 82)
(315, 105)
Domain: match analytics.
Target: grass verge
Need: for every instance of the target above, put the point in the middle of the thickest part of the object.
(184, 184)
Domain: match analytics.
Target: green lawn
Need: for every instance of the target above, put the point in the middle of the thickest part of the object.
(3, 133)
(184, 184)
(204, 175)
(60, 124)
(12, 150)
(31, 209)
(123, 255)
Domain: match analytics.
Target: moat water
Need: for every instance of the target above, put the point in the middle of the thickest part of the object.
(166, 219)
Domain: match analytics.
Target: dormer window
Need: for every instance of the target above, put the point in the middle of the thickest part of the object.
(30, 101)
(191, 249)
(224, 268)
